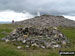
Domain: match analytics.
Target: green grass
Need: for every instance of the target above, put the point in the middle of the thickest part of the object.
(70, 33)
(7, 49)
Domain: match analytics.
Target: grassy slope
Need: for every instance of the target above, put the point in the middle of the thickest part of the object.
(70, 33)
(7, 49)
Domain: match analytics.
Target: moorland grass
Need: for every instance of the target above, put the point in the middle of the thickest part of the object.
(7, 49)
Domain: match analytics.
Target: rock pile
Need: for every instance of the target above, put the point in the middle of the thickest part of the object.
(47, 21)
(38, 37)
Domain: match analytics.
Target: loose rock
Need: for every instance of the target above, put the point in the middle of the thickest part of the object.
(19, 47)
(39, 37)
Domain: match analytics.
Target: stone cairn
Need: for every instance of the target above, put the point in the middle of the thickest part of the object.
(37, 37)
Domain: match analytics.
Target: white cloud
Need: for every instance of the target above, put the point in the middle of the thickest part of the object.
(12, 15)
(70, 17)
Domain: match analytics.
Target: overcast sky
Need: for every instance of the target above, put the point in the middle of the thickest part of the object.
(56, 7)
(66, 7)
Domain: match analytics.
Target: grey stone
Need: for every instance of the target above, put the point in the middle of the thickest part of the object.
(7, 40)
(27, 46)
(19, 47)
(39, 37)
(47, 21)
(24, 41)
(35, 44)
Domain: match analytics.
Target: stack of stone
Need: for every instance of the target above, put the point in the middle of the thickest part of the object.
(38, 37)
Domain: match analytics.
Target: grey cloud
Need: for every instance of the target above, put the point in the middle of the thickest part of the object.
(57, 7)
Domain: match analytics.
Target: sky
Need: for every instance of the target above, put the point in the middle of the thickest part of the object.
(23, 9)
(9, 15)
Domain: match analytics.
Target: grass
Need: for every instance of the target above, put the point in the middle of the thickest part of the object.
(70, 33)
(7, 49)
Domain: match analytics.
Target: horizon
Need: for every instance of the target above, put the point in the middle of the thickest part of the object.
(16, 16)
(24, 9)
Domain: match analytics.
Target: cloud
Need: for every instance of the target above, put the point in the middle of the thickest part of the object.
(8, 16)
(12, 15)
(12, 9)
(70, 17)
(57, 7)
